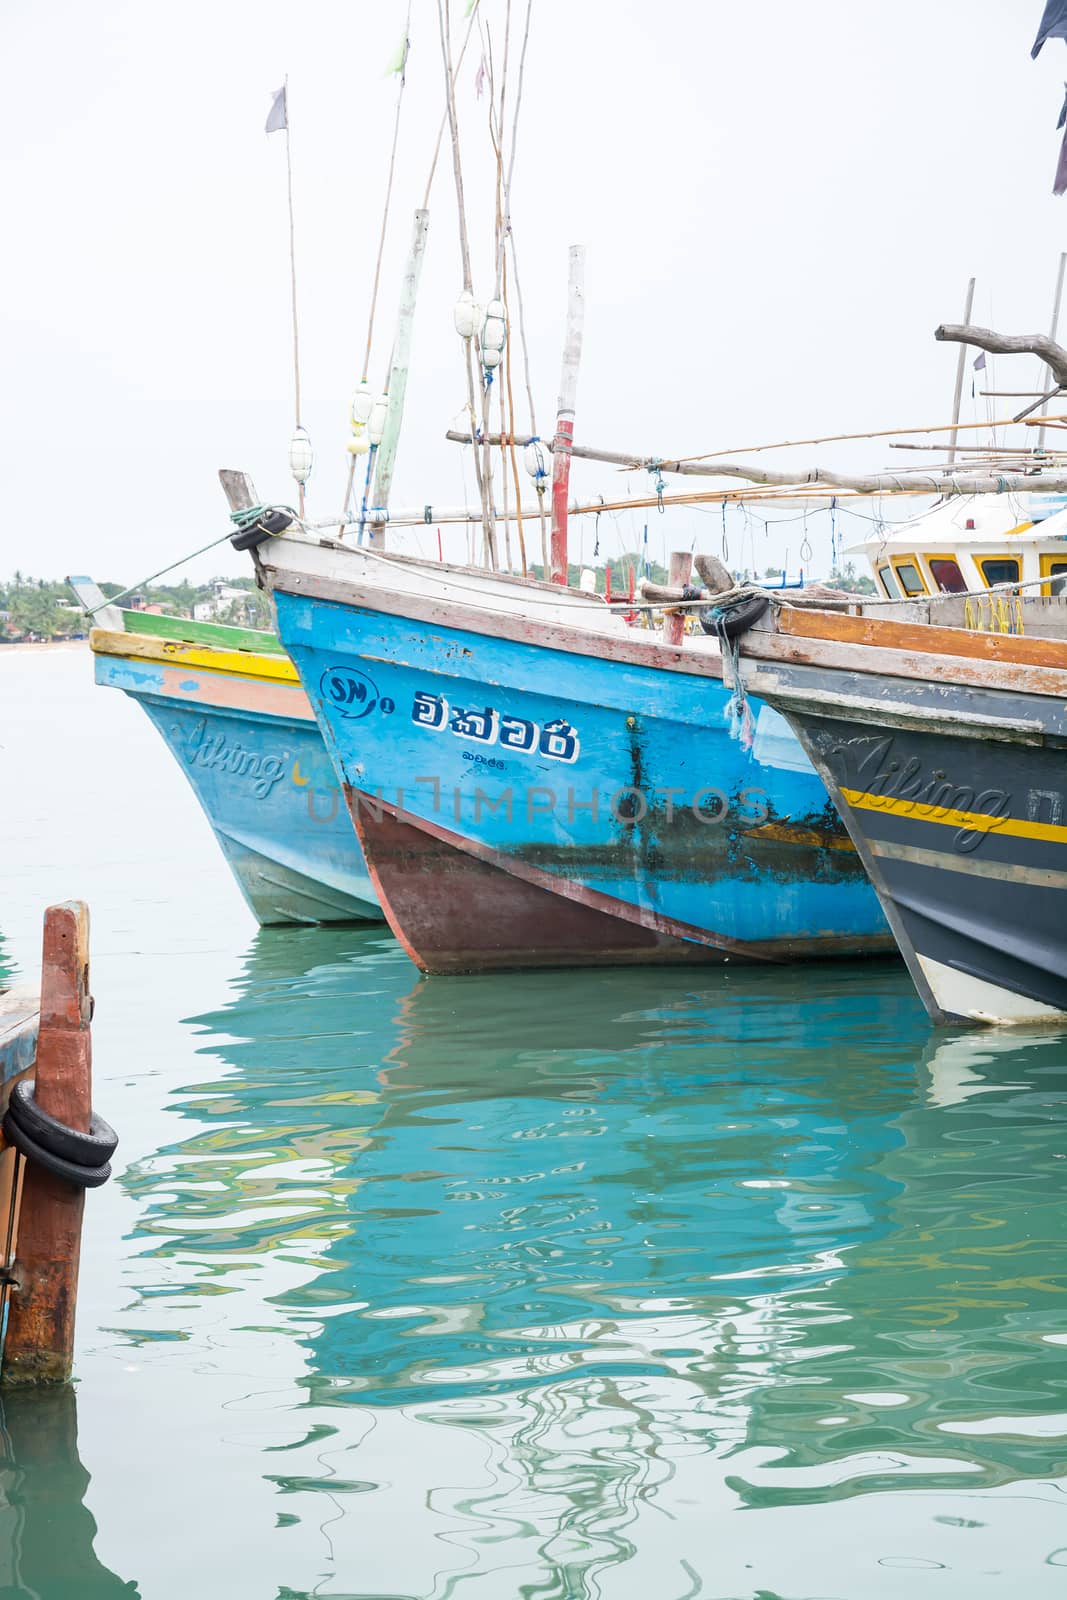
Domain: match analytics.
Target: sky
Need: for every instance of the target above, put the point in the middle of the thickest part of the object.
(779, 202)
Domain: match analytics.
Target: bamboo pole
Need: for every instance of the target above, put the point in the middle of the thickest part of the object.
(806, 477)
(398, 373)
(484, 488)
(846, 438)
(958, 393)
(568, 392)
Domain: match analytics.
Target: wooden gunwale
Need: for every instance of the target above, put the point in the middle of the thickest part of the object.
(219, 634)
(695, 658)
(498, 624)
(177, 653)
(924, 639)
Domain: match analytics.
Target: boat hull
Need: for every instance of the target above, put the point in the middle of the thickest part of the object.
(954, 795)
(253, 754)
(521, 805)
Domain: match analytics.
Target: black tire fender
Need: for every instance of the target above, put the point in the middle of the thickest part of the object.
(266, 527)
(734, 618)
(77, 1176)
(92, 1149)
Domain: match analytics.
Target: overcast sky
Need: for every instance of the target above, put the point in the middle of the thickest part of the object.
(779, 202)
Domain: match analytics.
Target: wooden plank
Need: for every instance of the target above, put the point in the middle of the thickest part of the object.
(929, 640)
(238, 488)
(863, 659)
(175, 652)
(221, 634)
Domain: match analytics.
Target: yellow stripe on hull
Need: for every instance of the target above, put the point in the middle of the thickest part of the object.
(972, 821)
(176, 652)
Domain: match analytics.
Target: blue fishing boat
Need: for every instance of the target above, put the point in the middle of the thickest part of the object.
(534, 783)
(228, 704)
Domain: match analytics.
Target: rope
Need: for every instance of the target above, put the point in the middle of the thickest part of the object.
(388, 197)
(248, 516)
(144, 582)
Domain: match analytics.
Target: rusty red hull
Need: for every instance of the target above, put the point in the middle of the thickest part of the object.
(455, 912)
(457, 907)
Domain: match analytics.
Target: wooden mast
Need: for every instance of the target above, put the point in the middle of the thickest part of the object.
(397, 382)
(568, 391)
(959, 374)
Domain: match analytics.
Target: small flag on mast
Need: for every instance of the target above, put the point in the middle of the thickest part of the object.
(399, 59)
(979, 362)
(278, 118)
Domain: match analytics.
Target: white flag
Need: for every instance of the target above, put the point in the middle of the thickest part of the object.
(278, 118)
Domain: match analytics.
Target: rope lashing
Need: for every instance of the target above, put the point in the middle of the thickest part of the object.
(659, 483)
(248, 516)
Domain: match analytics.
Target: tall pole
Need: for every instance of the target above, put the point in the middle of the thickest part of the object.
(279, 118)
(568, 392)
(484, 488)
(959, 374)
(398, 372)
(1052, 332)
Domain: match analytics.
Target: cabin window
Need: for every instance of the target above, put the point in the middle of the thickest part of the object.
(999, 569)
(946, 574)
(909, 577)
(889, 583)
(1054, 567)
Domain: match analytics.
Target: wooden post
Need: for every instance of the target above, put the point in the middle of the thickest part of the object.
(39, 1344)
(1054, 329)
(681, 564)
(959, 375)
(568, 392)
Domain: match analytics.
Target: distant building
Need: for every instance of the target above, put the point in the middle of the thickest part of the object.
(222, 598)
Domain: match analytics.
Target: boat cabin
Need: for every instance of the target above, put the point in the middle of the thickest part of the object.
(972, 543)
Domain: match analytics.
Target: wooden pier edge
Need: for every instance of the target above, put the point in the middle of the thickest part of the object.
(39, 1338)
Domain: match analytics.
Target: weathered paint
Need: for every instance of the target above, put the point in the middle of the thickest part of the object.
(39, 1337)
(217, 634)
(955, 797)
(1018, 648)
(611, 785)
(19, 1010)
(239, 663)
(245, 737)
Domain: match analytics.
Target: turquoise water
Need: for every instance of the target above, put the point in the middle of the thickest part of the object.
(630, 1285)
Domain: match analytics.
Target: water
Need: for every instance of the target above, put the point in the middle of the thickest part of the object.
(632, 1285)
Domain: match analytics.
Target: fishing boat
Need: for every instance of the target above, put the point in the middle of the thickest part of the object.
(970, 543)
(228, 704)
(535, 783)
(943, 748)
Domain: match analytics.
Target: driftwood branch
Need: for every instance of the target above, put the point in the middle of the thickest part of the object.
(938, 482)
(1008, 344)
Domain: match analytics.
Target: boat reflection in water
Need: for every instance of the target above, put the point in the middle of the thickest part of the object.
(46, 1531)
(588, 1267)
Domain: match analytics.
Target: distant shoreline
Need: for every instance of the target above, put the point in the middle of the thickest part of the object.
(44, 644)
